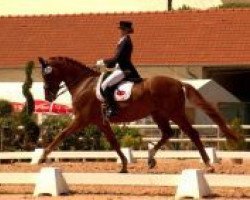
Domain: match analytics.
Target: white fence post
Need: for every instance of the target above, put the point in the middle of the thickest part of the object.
(50, 181)
(37, 154)
(211, 152)
(128, 154)
(193, 184)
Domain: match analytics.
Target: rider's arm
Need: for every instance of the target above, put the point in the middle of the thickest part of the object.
(111, 62)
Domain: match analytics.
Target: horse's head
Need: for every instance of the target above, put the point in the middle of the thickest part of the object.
(51, 78)
(59, 69)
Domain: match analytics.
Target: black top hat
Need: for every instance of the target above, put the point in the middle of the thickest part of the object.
(126, 25)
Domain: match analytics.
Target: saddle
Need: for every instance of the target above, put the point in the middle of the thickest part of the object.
(122, 91)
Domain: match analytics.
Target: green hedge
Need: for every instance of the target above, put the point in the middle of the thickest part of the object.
(5, 108)
(88, 139)
(241, 144)
(234, 5)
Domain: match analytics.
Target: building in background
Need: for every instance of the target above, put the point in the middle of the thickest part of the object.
(38, 7)
(196, 4)
(218, 96)
(212, 44)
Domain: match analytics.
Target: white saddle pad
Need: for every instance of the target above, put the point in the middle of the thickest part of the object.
(122, 93)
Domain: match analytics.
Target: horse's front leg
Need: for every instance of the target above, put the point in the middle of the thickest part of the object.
(107, 130)
(75, 125)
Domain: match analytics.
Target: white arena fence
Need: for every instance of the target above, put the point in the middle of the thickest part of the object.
(78, 155)
(214, 139)
(214, 180)
(172, 180)
(57, 155)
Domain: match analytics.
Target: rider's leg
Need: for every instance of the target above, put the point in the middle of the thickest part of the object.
(114, 78)
(108, 90)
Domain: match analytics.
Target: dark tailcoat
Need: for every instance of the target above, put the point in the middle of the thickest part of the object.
(123, 58)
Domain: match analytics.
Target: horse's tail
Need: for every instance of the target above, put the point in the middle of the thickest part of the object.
(197, 99)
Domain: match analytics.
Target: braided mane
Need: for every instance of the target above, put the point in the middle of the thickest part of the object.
(72, 62)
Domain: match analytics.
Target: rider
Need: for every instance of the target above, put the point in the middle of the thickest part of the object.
(123, 67)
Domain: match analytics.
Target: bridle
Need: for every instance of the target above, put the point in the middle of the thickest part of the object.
(46, 87)
(98, 69)
(63, 86)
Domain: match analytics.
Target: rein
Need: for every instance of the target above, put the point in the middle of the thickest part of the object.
(63, 91)
(64, 87)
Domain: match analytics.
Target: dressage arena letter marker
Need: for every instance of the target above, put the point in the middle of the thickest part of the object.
(50, 181)
(128, 154)
(192, 184)
(37, 154)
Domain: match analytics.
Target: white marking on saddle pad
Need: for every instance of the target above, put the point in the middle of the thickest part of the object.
(122, 93)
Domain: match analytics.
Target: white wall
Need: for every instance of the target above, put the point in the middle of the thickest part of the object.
(215, 94)
(199, 4)
(12, 91)
(29, 7)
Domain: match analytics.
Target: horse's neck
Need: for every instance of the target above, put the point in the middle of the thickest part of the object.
(76, 79)
(84, 87)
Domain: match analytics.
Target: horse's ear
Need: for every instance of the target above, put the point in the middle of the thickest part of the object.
(42, 62)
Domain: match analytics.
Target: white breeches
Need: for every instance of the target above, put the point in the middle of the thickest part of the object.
(113, 79)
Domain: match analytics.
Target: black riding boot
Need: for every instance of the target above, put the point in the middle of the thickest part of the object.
(112, 108)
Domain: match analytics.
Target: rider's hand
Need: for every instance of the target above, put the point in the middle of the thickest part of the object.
(100, 63)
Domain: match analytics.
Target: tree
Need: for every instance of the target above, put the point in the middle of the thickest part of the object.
(29, 105)
(170, 2)
(234, 5)
(5, 108)
(31, 128)
(241, 144)
(5, 120)
(185, 7)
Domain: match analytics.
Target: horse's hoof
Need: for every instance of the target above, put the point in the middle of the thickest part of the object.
(44, 161)
(151, 163)
(41, 161)
(124, 171)
(209, 169)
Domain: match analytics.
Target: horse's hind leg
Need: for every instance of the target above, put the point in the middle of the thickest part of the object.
(182, 121)
(164, 126)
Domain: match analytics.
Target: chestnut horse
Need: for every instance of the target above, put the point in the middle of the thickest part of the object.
(161, 97)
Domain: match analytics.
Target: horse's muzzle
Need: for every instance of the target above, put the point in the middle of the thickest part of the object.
(50, 97)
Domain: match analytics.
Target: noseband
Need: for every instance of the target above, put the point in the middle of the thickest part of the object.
(64, 87)
(46, 87)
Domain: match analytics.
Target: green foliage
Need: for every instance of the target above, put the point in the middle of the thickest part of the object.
(10, 121)
(29, 105)
(241, 144)
(5, 108)
(94, 139)
(9, 132)
(88, 139)
(185, 7)
(51, 126)
(31, 129)
(170, 5)
(128, 137)
(234, 5)
(56, 122)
